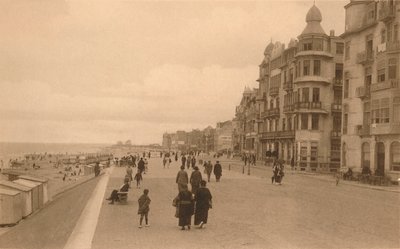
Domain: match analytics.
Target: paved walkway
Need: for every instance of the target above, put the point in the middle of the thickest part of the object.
(250, 212)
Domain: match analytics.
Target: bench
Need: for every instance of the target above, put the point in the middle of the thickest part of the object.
(123, 197)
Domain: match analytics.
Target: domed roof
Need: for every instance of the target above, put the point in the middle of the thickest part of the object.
(313, 20)
(269, 48)
(314, 15)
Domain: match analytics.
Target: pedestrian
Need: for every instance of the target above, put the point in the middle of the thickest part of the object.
(129, 172)
(195, 179)
(176, 156)
(183, 160)
(208, 167)
(97, 169)
(164, 161)
(144, 208)
(193, 162)
(146, 166)
(186, 207)
(182, 179)
(188, 161)
(141, 165)
(217, 171)
(138, 179)
(292, 163)
(203, 200)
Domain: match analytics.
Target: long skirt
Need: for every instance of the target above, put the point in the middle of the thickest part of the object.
(185, 214)
(201, 215)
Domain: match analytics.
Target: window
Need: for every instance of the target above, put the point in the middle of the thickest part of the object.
(389, 32)
(315, 96)
(307, 46)
(314, 121)
(303, 152)
(392, 68)
(306, 67)
(289, 124)
(298, 69)
(367, 115)
(395, 32)
(304, 121)
(318, 45)
(337, 122)
(283, 124)
(296, 122)
(317, 67)
(347, 51)
(375, 111)
(381, 75)
(346, 89)
(396, 110)
(383, 36)
(395, 156)
(314, 151)
(365, 155)
(384, 110)
(339, 47)
(276, 124)
(305, 95)
(345, 121)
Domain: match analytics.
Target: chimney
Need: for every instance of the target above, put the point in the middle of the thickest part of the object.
(332, 32)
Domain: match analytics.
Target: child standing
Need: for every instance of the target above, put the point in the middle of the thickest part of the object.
(138, 179)
(144, 207)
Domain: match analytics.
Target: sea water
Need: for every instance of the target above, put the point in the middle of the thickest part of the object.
(14, 151)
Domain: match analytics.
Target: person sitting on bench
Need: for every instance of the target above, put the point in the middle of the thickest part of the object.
(114, 194)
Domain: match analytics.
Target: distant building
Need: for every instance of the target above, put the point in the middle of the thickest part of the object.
(246, 120)
(371, 93)
(223, 136)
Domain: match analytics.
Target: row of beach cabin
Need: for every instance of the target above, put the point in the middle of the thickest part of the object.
(21, 197)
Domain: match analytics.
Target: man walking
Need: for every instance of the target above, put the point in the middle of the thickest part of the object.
(217, 171)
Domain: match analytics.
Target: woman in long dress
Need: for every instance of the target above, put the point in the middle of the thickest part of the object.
(203, 200)
(185, 202)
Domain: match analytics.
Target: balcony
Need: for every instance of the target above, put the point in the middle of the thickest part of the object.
(386, 13)
(362, 92)
(337, 82)
(287, 86)
(273, 91)
(363, 130)
(385, 129)
(336, 134)
(393, 46)
(288, 108)
(388, 84)
(278, 134)
(365, 57)
(274, 112)
(336, 107)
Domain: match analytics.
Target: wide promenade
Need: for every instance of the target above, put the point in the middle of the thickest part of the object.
(249, 212)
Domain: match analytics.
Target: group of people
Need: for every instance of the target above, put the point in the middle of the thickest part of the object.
(198, 201)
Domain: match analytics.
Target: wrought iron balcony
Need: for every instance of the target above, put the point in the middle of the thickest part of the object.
(388, 84)
(288, 85)
(336, 107)
(386, 13)
(363, 130)
(337, 82)
(336, 134)
(393, 46)
(273, 91)
(365, 57)
(362, 92)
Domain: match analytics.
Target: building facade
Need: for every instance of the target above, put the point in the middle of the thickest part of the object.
(371, 93)
(245, 136)
(223, 136)
(300, 93)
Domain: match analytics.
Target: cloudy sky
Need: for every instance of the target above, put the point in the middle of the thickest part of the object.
(103, 71)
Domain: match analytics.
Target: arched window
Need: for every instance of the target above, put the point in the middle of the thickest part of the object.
(365, 155)
(395, 156)
(344, 148)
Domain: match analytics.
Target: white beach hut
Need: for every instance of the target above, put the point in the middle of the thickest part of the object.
(43, 181)
(26, 195)
(10, 207)
(37, 198)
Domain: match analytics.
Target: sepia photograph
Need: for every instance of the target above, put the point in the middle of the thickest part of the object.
(221, 124)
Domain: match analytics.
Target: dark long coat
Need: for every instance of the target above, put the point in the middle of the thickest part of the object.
(186, 206)
(202, 198)
(217, 170)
